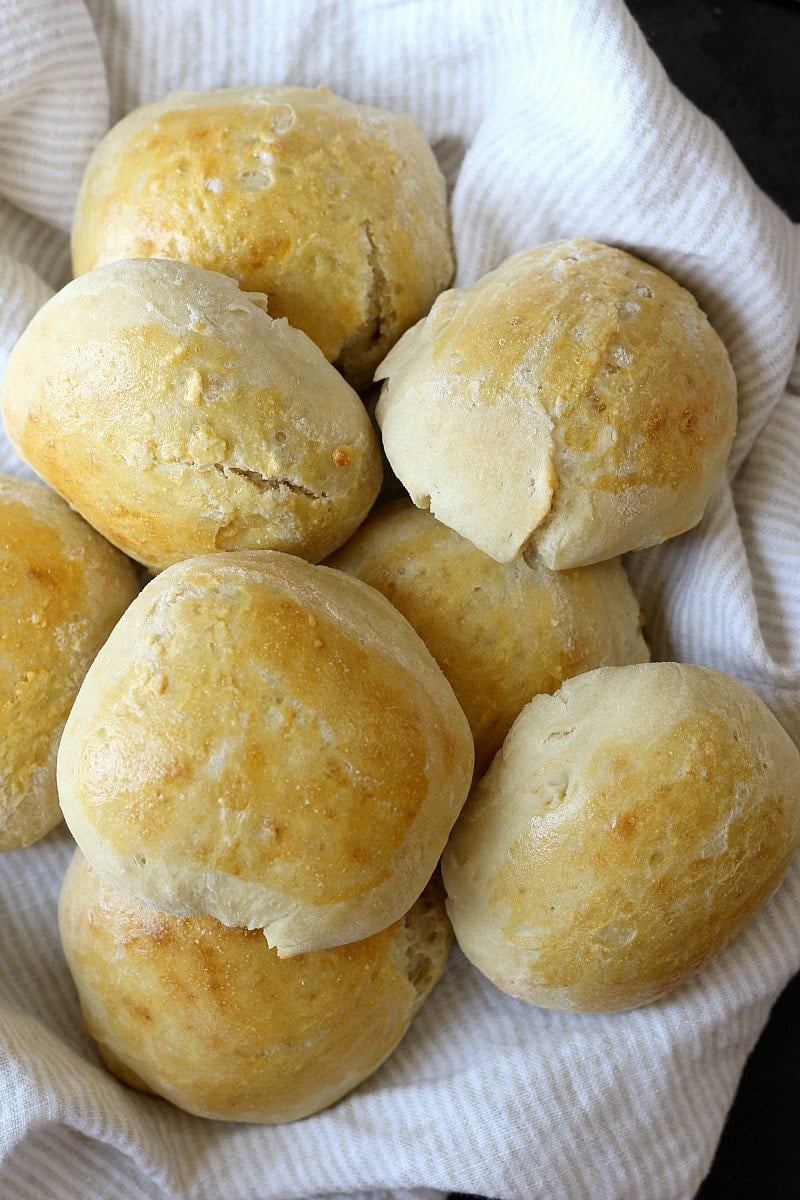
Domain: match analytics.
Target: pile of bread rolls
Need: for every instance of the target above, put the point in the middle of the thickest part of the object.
(264, 754)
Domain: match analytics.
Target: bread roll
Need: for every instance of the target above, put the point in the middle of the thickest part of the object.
(268, 743)
(62, 587)
(630, 826)
(211, 1019)
(574, 404)
(335, 210)
(501, 632)
(178, 418)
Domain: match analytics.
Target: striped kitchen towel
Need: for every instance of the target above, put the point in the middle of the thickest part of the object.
(550, 119)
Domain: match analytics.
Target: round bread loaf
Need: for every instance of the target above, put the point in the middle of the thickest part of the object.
(178, 418)
(335, 210)
(211, 1019)
(501, 632)
(62, 588)
(630, 826)
(575, 403)
(268, 743)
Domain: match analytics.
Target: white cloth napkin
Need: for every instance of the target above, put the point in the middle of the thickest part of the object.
(550, 118)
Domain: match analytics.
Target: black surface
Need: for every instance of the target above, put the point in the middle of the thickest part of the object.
(739, 61)
(759, 1154)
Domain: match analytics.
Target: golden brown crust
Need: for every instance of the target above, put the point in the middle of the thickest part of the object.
(178, 418)
(574, 403)
(629, 828)
(334, 210)
(62, 588)
(501, 632)
(210, 1018)
(270, 743)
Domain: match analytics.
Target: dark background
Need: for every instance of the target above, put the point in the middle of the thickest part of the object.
(739, 61)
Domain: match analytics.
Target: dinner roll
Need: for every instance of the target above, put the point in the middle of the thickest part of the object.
(178, 418)
(211, 1019)
(335, 210)
(630, 826)
(501, 632)
(62, 587)
(575, 404)
(268, 743)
